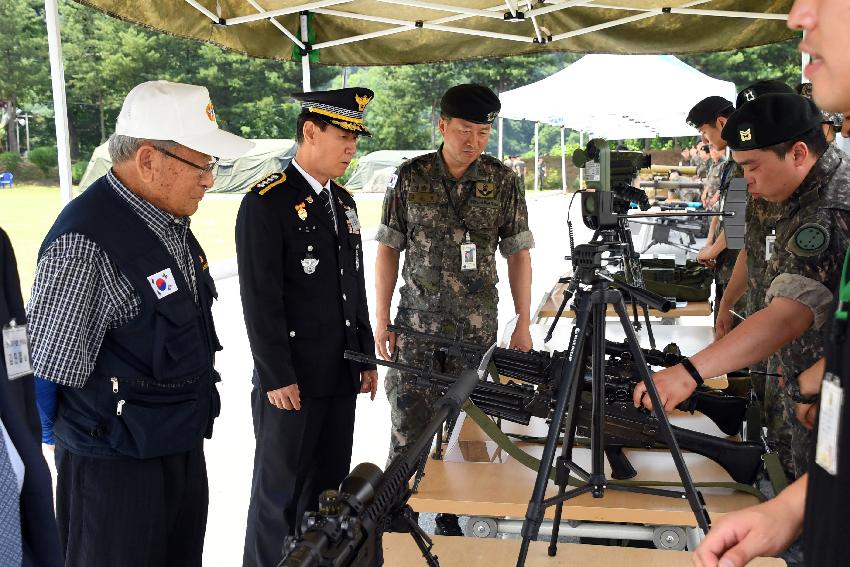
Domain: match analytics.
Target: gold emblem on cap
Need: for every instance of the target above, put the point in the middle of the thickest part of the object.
(362, 101)
(210, 111)
(746, 135)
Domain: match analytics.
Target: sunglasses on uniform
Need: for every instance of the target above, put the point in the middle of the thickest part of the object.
(208, 168)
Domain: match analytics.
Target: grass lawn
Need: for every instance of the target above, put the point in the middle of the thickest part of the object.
(28, 211)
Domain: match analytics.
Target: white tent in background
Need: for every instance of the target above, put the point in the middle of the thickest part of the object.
(374, 170)
(616, 97)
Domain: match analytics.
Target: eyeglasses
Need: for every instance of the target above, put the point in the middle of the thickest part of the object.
(208, 168)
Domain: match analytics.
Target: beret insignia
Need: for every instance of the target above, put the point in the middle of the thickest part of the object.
(746, 135)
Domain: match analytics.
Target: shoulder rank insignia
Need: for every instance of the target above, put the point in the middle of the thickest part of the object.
(810, 239)
(262, 187)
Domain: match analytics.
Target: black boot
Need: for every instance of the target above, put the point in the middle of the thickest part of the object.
(447, 525)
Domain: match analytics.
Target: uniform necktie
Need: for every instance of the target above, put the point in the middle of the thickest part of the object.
(10, 511)
(325, 196)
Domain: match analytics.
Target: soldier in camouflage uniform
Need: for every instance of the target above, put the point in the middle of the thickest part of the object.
(709, 116)
(812, 231)
(449, 211)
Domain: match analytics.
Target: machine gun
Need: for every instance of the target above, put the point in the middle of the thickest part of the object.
(347, 530)
(635, 427)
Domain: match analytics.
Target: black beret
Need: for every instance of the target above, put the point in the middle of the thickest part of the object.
(342, 108)
(707, 110)
(475, 103)
(836, 119)
(759, 88)
(770, 119)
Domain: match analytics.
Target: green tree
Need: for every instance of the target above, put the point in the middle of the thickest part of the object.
(746, 66)
(23, 60)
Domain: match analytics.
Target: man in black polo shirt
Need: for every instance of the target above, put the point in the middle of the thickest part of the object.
(818, 507)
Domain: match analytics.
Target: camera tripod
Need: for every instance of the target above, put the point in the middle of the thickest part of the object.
(587, 342)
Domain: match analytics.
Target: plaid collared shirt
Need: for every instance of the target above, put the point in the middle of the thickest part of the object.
(79, 294)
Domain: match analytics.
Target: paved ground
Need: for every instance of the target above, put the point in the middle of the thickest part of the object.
(230, 452)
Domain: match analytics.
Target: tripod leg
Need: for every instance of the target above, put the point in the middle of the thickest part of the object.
(597, 430)
(562, 472)
(694, 499)
(572, 372)
(648, 325)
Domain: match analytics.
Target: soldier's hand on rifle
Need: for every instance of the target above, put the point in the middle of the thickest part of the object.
(705, 257)
(369, 382)
(521, 338)
(384, 340)
(810, 381)
(674, 386)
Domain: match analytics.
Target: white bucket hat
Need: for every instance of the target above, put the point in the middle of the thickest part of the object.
(161, 110)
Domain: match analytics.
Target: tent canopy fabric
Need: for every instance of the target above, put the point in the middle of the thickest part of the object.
(231, 175)
(617, 96)
(394, 32)
(373, 170)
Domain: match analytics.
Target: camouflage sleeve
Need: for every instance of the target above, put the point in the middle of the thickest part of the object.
(392, 231)
(514, 235)
(811, 293)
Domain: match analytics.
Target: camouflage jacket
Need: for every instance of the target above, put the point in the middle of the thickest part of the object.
(761, 229)
(712, 181)
(812, 233)
(726, 258)
(419, 217)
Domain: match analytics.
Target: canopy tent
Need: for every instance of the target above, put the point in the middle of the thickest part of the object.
(231, 176)
(617, 96)
(392, 32)
(373, 170)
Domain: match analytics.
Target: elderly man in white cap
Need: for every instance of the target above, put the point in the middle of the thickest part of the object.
(123, 341)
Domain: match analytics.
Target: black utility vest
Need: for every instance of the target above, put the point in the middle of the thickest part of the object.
(152, 391)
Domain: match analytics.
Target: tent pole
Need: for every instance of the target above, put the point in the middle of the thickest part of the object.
(305, 58)
(563, 163)
(580, 170)
(60, 107)
(536, 156)
(501, 126)
(804, 58)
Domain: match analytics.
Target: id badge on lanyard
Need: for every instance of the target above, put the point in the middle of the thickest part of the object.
(829, 423)
(16, 350)
(768, 245)
(468, 255)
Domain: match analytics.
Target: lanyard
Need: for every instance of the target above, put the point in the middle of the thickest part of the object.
(454, 209)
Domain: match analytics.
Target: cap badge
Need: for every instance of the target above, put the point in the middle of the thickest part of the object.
(362, 101)
(492, 115)
(691, 123)
(210, 111)
(749, 95)
(746, 135)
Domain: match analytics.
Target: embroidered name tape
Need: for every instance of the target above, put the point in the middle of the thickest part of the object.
(162, 283)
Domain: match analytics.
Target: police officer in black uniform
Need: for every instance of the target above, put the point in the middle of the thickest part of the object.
(300, 257)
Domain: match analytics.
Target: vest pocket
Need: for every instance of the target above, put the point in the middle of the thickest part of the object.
(149, 420)
(179, 347)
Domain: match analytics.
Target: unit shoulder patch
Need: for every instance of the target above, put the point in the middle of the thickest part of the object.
(264, 185)
(810, 239)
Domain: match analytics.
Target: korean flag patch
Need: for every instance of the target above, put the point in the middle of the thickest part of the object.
(162, 283)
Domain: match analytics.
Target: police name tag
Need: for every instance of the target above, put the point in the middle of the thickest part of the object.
(768, 246)
(16, 350)
(162, 283)
(353, 221)
(468, 255)
(829, 421)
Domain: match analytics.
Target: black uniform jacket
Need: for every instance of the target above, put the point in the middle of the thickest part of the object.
(302, 286)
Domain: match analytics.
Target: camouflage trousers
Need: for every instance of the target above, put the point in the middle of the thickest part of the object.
(785, 434)
(412, 405)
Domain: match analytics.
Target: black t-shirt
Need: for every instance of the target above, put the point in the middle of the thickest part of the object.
(826, 527)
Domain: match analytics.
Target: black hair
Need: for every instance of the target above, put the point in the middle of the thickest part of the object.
(814, 140)
(303, 118)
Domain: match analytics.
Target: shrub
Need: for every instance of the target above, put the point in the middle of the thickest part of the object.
(10, 161)
(77, 171)
(44, 158)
